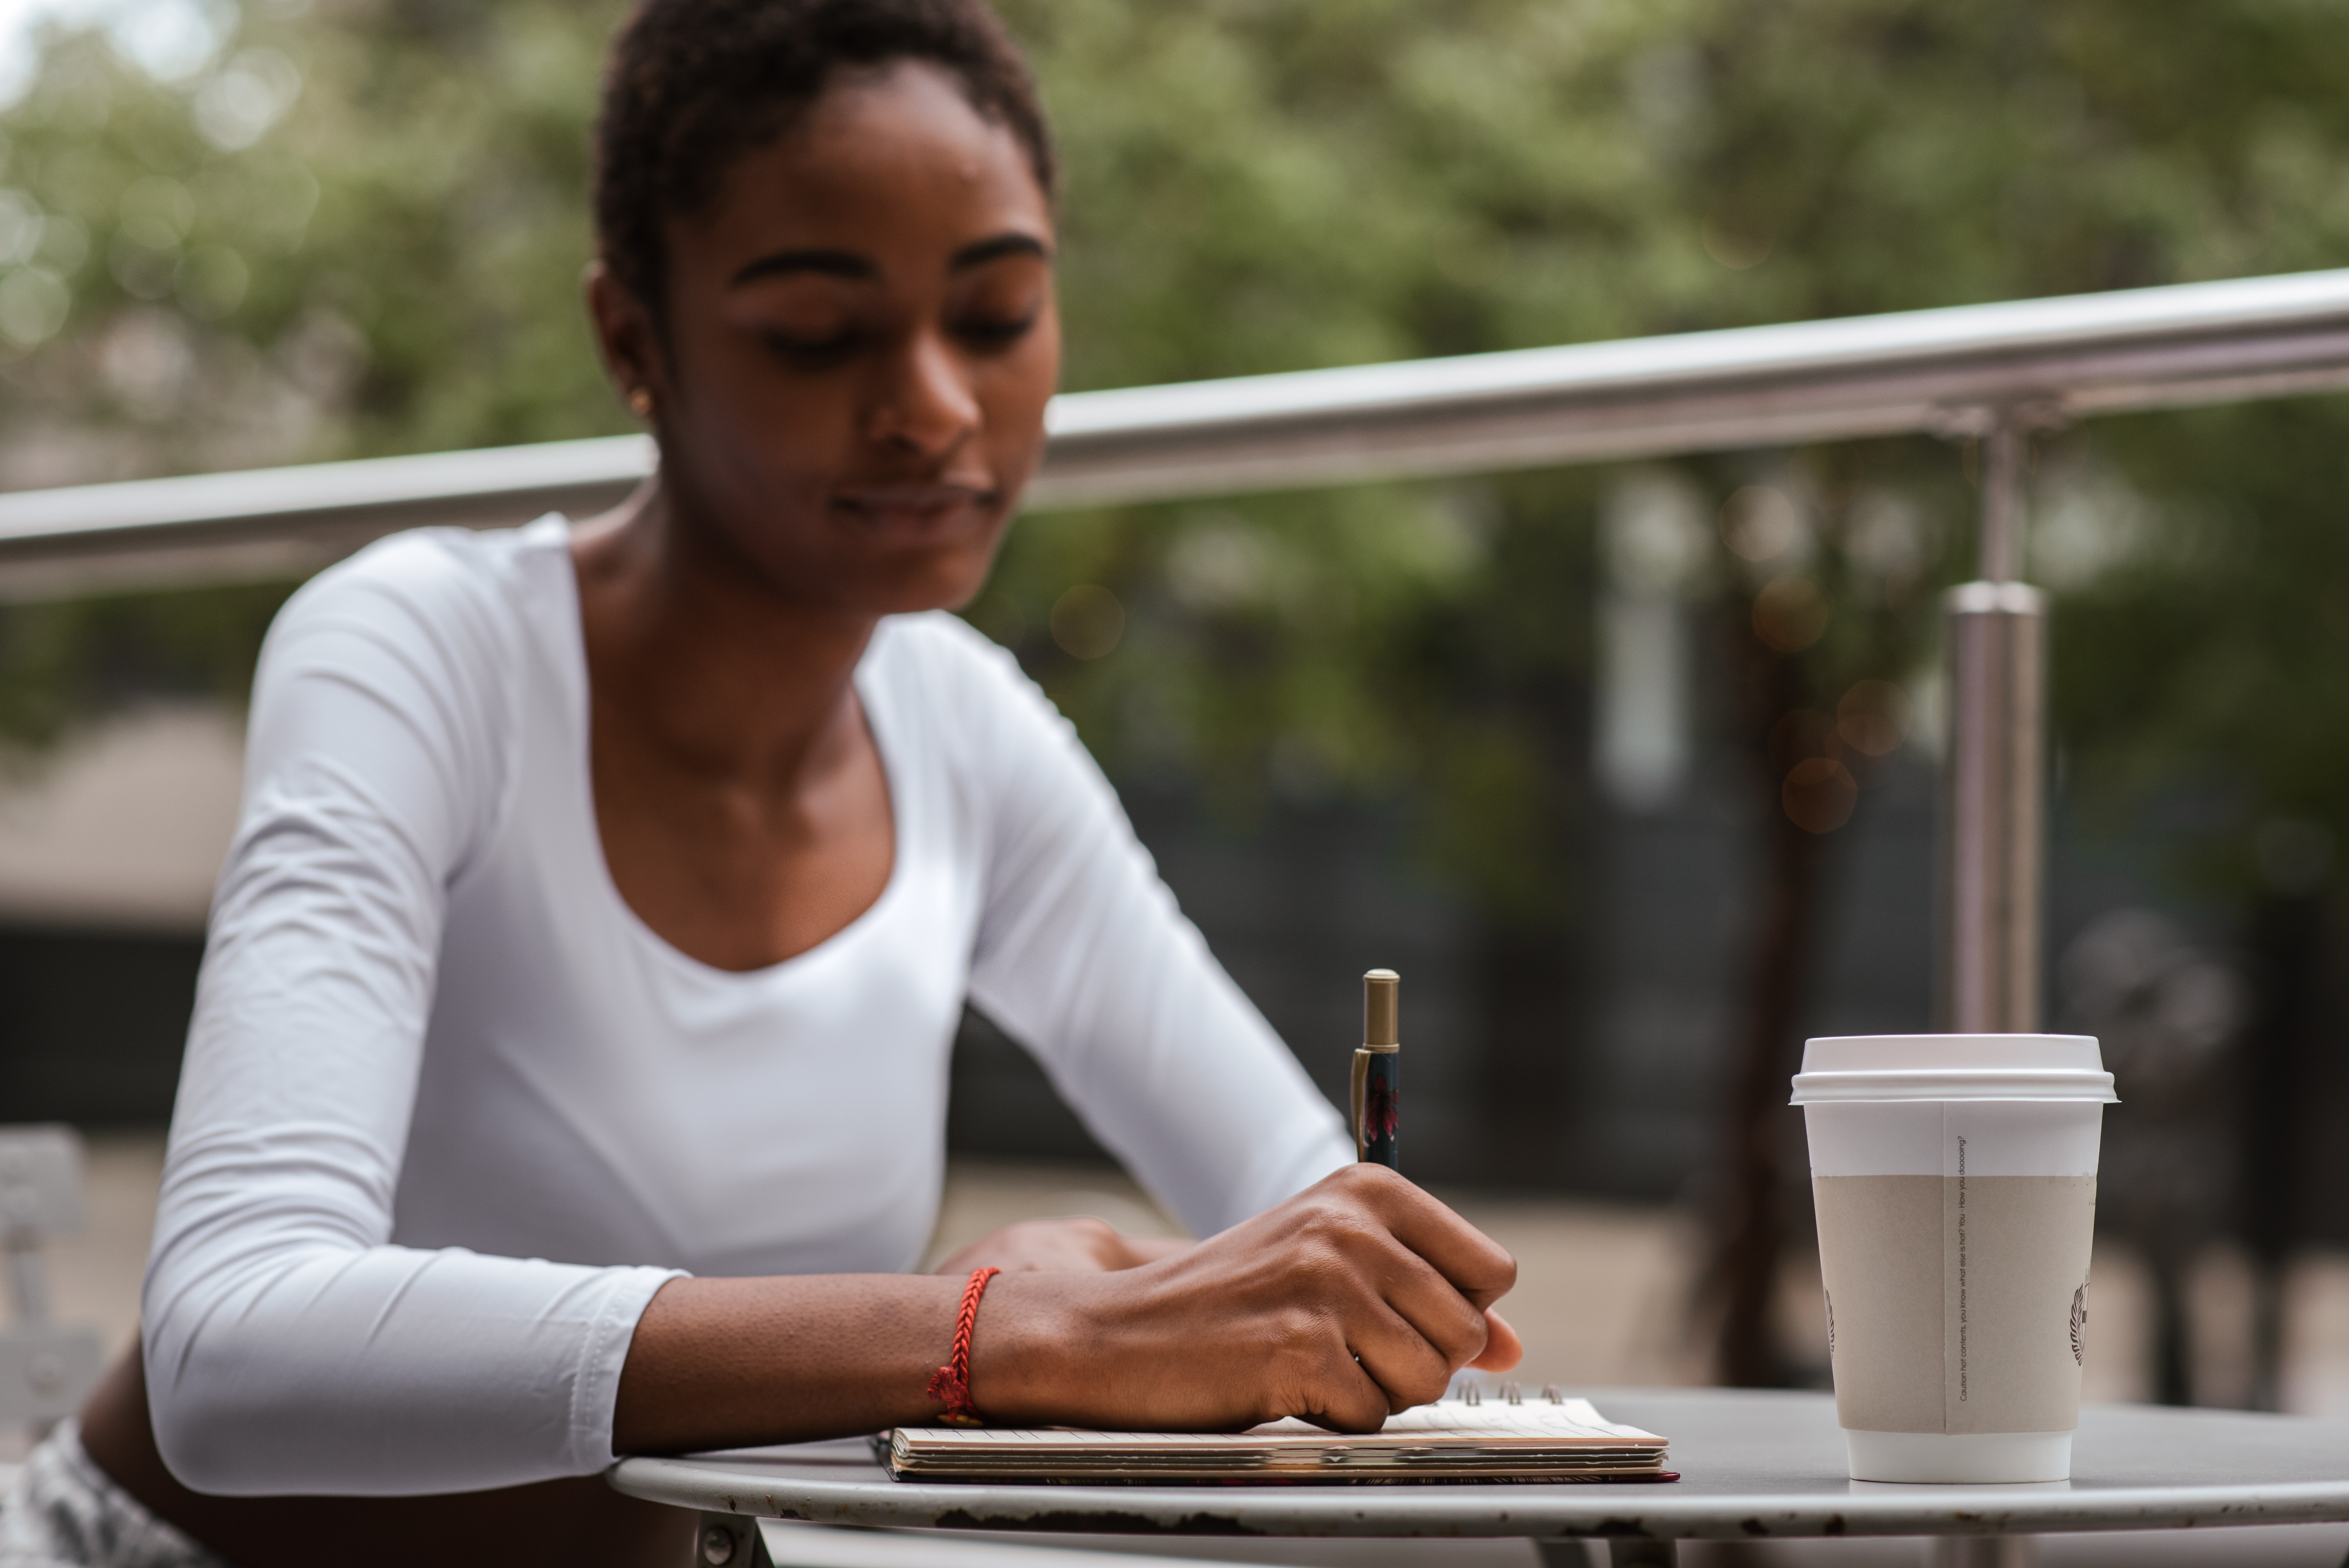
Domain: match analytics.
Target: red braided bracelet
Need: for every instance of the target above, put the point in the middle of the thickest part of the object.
(951, 1382)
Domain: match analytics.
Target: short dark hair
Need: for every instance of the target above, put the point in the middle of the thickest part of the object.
(693, 85)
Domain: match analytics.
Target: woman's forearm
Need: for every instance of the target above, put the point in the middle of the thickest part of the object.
(722, 1363)
(1358, 1298)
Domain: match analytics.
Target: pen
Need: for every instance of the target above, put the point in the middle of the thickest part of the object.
(1378, 1069)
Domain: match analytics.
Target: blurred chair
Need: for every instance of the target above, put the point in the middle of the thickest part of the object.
(46, 1370)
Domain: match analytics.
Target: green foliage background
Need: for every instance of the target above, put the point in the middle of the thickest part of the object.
(1259, 185)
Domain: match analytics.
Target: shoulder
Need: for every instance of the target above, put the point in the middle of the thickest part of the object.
(992, 729)
(431, 630)
(395, 682)
(445, 597)
(989, 723)
(937, 662)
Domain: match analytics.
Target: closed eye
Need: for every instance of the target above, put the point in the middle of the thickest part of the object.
(995, 332)
(814, 352)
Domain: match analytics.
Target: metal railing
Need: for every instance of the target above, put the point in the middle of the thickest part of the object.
(1993, 371)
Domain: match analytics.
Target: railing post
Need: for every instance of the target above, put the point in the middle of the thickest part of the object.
(1993, 802)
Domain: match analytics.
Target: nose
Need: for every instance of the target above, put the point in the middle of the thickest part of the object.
(924, 405)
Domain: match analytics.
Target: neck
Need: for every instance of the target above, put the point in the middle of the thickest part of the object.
(700, 656)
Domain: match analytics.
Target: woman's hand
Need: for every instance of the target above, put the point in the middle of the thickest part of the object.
(1356, 1299)
(1353, 1300)
(1078, 1244)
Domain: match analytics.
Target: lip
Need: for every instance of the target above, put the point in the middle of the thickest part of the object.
(918, 509)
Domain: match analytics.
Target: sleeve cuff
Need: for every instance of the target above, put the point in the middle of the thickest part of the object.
(603, 1351)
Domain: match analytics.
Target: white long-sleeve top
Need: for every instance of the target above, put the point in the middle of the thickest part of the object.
(451, 1113)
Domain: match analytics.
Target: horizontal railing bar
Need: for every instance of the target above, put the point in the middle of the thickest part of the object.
(319, 492)
(1930, 370)
(1943, 371)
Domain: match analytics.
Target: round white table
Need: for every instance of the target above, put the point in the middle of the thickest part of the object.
(1752, 1465)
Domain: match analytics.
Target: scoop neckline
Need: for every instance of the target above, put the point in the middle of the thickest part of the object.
(590, 825)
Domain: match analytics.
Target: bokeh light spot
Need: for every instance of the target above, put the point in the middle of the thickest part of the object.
(251, 93)
(1819, 794)
(1087, 621)
(1759, 523)
(20, 227)
(34, 303)
(1874, 718)
(1735, 244)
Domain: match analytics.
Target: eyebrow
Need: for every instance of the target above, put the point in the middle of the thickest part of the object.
(849, 264)
(982, 251)
(832, 264)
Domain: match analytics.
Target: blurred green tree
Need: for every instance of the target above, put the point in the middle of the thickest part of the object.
(358, 228)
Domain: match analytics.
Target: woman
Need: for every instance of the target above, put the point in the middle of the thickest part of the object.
(568, 1070)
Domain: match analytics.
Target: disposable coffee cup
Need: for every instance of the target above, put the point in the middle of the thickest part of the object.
(1955, 1180)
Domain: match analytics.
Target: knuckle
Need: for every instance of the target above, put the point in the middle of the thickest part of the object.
(1341, 1224)
(1320, 1210)
(1304, 1332)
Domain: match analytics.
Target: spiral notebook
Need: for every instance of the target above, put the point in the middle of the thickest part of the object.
(1548, 1438)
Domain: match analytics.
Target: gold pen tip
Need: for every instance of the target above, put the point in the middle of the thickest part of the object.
(1382, 1008)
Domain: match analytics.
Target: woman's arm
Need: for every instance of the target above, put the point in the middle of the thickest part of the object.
(1356, 1299)
(1083, 957)
(289, 1347)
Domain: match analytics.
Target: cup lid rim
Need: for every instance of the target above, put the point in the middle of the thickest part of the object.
(1955, 1083)
(1953, 1052)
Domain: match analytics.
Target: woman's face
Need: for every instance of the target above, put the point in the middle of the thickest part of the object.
(861, 340)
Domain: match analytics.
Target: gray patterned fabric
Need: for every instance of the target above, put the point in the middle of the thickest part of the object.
(65, 1512)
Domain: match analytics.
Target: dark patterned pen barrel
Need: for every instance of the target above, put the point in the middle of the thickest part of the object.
(1378, 1069)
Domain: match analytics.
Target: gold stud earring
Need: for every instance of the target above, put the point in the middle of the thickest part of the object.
(640, 402)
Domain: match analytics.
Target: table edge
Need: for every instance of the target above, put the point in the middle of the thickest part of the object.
(1495, 1511)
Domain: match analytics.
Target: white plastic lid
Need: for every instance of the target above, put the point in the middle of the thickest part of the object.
(1952, 1066)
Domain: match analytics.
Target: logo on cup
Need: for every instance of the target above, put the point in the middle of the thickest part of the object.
(1830, 1301)
(2079, 1324)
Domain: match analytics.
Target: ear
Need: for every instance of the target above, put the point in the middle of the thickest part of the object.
(625, 334)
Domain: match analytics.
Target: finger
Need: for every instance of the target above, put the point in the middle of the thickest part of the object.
(1438, 1313)
(1503, 1348)
(1345, 1399)
(1408, 1367)
(1477, 1266)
